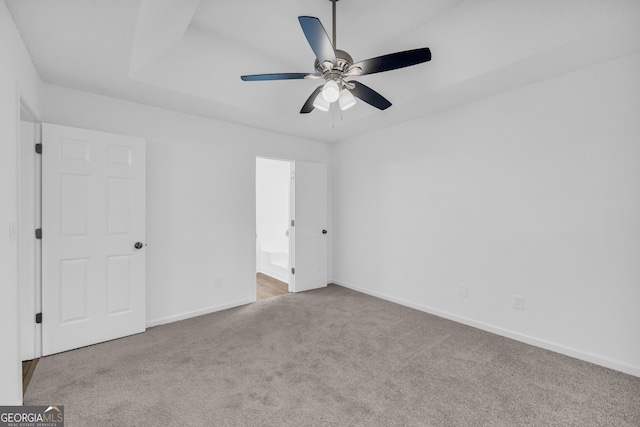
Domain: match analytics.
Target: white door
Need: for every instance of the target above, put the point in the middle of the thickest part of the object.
(309, 206)
(93, 213)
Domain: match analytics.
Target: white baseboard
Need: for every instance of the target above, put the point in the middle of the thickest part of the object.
(527, 339)
(195, 313)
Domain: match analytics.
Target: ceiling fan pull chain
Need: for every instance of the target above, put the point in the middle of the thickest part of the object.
(333, 115)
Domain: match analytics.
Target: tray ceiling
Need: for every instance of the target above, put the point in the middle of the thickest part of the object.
(188, 55)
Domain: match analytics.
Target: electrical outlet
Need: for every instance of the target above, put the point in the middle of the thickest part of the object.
(218, 283)
(518, 302)
(463, 291)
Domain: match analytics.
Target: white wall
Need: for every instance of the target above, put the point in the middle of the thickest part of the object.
(534, 192)
(18, 78)
(200, 197)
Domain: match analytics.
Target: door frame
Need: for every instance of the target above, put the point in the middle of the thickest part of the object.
(291, 284)
(29, 249)
(292, 213)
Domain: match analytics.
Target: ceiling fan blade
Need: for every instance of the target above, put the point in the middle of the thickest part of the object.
(275, 76)
(393, 61)
(318, 39)
(369, 96)
(308, 106)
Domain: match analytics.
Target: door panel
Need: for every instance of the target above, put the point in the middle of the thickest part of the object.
(119, 284)
(93, 212)
(74, 276)
(310, 213)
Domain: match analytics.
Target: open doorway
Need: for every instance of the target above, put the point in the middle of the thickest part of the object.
(273, 220)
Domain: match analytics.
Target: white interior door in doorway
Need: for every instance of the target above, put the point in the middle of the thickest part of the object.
(93, 233)
(309, 213)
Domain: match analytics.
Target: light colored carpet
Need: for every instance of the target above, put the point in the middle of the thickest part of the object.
(329, 357)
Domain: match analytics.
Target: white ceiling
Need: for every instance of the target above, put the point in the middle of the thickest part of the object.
(188, 55)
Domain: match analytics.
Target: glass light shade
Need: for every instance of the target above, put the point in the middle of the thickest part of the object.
(347, 100)
(320, 103)
(331, 91)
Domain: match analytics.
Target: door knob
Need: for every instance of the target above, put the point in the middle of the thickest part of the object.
(138, 245)
(324, 231)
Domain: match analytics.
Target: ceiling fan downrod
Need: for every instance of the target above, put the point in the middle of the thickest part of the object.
(335, 45)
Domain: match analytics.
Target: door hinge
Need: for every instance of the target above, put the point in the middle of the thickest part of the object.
(293, 175)
(39, 148)
(293, 222)
(293, 270)
(39, 233)
(39, 318)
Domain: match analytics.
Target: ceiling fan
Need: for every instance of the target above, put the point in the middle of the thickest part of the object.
(334, 66)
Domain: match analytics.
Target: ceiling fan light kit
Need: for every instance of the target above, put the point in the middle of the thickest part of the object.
(334, 66)
(346, 100)
(331, 91)
(320, 103)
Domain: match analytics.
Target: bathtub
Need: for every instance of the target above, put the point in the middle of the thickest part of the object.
(274, 259)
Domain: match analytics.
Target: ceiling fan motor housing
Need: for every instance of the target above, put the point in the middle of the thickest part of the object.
(335, 71)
